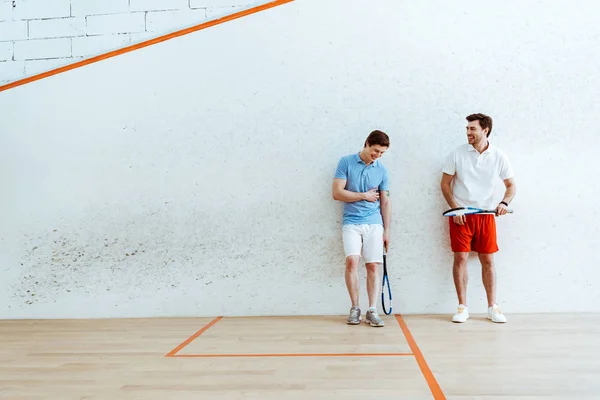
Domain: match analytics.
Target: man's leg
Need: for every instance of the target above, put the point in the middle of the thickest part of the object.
(461, 276)
(460, 240)
(352, 279)
(486, 245)
(373, 283)
(488, 275)
(373, 252)
(352, 239)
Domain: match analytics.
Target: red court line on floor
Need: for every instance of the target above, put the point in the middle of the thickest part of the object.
(296, 355)
(436, 391)
(192, 338)
(143, 44)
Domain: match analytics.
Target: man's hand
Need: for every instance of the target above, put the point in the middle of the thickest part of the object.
(386, 240)
(459, 219)
(372, 195)
(501, 209)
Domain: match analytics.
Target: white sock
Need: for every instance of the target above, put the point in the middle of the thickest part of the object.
(372, 308)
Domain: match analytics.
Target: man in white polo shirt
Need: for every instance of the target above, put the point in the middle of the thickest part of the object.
(468, 180)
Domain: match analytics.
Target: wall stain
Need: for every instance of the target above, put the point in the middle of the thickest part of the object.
(163, 252)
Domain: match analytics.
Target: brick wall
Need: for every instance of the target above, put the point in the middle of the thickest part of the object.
(38, 35)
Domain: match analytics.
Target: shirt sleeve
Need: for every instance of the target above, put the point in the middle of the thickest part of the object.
(449, 166)
(341, 171)
(506, 170)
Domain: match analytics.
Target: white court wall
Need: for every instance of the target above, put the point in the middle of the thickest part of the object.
(193, 177)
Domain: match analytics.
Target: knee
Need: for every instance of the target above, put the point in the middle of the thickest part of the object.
(460, 259)
(352, 263)
(487, 260)
(371, 267)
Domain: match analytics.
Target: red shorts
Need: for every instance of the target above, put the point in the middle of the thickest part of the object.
(477, 234)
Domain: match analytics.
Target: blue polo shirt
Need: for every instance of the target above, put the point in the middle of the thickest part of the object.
(362, 178)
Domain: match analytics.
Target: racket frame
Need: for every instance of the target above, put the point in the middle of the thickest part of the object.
(389, 289)
(469, 211)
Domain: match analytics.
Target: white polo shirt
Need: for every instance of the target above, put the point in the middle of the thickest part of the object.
(476, 175)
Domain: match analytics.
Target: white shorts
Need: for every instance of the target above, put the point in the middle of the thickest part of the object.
(369, 237)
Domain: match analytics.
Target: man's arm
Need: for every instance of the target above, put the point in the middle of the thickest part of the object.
(340, 193)
(386, 213)
(446, 186)
(509, 194)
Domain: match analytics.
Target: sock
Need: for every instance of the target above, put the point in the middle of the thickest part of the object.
(372, 308)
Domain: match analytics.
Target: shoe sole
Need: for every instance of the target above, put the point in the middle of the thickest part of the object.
(497, 322)
(374, 325)
(461, 322)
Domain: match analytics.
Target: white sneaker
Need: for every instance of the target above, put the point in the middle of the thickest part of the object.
(462, 315)
(495, 314)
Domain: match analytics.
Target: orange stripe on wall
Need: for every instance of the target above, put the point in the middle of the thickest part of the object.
(436, 391)
(146, 43)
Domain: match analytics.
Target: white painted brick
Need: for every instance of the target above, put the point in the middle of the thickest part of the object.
(142, 37)
(94, 7)
(217, 12)
(33, 67)
(158, 5)
(42, 48)
(94, 45)
(34, 9)
(6, 51)
(13, 30)
(11, 70)
(117, 23)
(163, 21)
(6, 10)
(56, 27)
(220, 3)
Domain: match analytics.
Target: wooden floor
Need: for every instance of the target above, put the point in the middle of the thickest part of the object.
(414, 357)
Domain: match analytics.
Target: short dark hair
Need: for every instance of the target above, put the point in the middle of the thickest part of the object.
(484, 121)
(378, 137)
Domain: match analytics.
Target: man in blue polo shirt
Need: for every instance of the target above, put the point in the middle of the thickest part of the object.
(361, 182)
